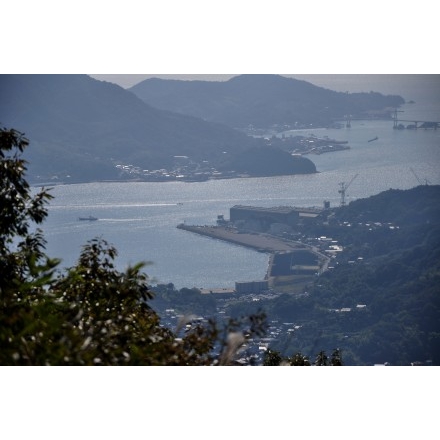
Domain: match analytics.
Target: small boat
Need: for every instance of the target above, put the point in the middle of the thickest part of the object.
(374, 139)
(89, 218)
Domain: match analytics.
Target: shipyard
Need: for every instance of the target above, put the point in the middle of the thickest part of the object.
(294, 260)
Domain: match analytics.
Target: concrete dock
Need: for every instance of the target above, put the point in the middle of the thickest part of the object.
(259, 242)
(289, 278)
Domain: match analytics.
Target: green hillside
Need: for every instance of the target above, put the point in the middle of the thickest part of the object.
(381, 302)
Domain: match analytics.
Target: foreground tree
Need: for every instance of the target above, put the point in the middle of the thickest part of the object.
(91, 314)
(25, 270)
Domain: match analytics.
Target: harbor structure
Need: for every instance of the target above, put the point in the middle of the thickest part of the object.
(287, 215)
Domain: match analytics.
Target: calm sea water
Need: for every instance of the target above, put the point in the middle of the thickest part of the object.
(140, 219)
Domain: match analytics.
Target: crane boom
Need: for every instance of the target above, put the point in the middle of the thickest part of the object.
(343, 189)
(426, 182)
(416, 176)
(349, 183)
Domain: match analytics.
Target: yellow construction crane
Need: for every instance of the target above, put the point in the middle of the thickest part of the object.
(343, 188)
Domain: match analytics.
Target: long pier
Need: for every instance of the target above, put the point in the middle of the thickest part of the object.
(259, 242)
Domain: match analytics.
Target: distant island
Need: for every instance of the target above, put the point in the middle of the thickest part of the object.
(262, 101)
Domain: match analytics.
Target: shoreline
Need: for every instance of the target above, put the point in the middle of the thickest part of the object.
(53, 184)
(271, 245)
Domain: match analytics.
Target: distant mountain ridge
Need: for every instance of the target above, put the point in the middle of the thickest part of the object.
(260, 100)
(77, 125)
(82, 129)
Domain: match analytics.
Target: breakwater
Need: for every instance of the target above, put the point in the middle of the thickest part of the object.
(258, 241)
(292, 265)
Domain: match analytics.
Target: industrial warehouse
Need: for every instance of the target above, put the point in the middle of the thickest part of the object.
(286, 215)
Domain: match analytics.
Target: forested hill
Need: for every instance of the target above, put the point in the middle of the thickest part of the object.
(398, 279)
(267, 161)
(260, 100)
(415, 206)
(381, 300)
(77, 125)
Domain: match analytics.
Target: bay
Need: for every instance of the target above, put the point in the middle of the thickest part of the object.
(140, 218)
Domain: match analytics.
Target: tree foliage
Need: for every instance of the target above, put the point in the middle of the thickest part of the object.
(90, 314)
(274, 358)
